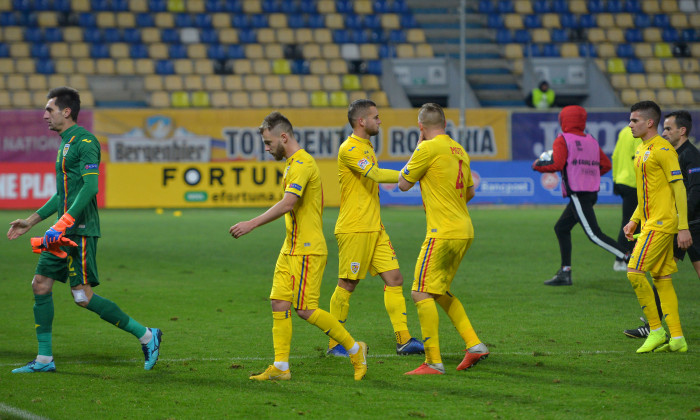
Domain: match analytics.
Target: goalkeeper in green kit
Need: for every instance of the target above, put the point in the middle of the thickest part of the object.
(68, 250)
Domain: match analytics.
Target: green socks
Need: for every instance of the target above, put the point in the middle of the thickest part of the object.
(110, 312)
(43, 320)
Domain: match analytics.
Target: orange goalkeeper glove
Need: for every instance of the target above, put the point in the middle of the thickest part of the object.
(55, 248)
(56, 231)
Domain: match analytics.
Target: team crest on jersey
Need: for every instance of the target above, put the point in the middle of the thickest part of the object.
(646, 155)
(65, 149)
(363, 163)
(354, 267)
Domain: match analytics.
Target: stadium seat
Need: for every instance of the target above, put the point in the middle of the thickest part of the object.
(615, 65)
(662, 50)
(201, 99)
(634, 65)
(180, 99)
(279, 99)
(380, 98)
(629, 96)
(672, 66)
(319, 99)
(259, 99)
(551, 20)
(691, 81)
(643, 50)
(655, 81)
(569, 50)
(685, 97)
(625, 51)
(674, 81)
(619, 81)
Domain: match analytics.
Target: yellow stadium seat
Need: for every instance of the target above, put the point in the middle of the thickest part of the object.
(273, 51)
(150, 35)
(629, 96)
(662, 50)
(339, 99)
(351, 82)
(624, 20)
(240, 100)
(405, 51)
(606, 50)
(669, 6)
(338, 66)
(695, 48)
(619, 81)
(325, 6)
(153, 82)
(666, 97)
(253, 51)
(650, 6)
(311, 51)
(335, 21)
(643, 50)
(180, 99)
(424, 51)
(119, 50)
(652, 34)
(78, 81)
(318, 66)
(158, 51)
(551, 21)
(138, 6)
(25, 65)
(415, 35)
(513, 21)
(322, 36)
(15, 34)
(200, 99)
(655, 81)
(126, 20)
(272, 83)
(38, 82)
(636, 81)
(691, 81)
(369, 52)
(233, 82)
(242, 66)
(357, 94)
(363, 7)
(105, 66)
(578, 7)
(197, 51)
(616, 65)
(523, 7)
(330, 82)
(228, 36)
(252, 82)
(291, 82)
(685, 97)
(56, 80)
(330, 51)
(125, 66)
(19, 49)
(87, 100)
(646, 95)
(193, 82)
(21, 99)
(221, 21)
(3, 86)
(653, 65)
(569, 50)
(213, 82)
(106, 20)
(176, 6)
(261, 66)
(259, 99)
(390, 21)
(164, 20)
(605, 20)
(694, 20)
(674, 81)
(303, 36)
(220, 99)
(679, 21)
(319, 99)
(690, 65)
(80, 6)
(39, 99)
(379, 98)
(266, 35)
(144, 66)
(311, 82)
(299, 99)
(16, 82)
(279, 99)
(4, 99)
(277, 20)
(252, 6)
(173, 82)
(615, 35)
(512, 51)
(47, 19)
(195, 6)
(540, 35)
(203, 66)
(184, 66)
(63, 66)
(281, 66)
(370, 82)
(672, 65)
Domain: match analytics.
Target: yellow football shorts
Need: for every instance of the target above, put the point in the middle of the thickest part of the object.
(437, 264)
(359, 252)
(297, 280)
(653, 252)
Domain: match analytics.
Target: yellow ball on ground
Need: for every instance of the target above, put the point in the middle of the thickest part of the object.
(177, 213)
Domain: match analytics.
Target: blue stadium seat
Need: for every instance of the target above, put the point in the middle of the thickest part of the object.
(165, 67)
(209, 36)
(632, 6)
(641, 20)
(4, 50)
(587, 50)
(22, 5)
(373, 22)
(301, 67)
(560, 35)
(45, 66)
(217, 52)
(625, 51)
(233, 6)
(635, 65)
(259, 21)
(551, 50)
(33, 35)
(541, 6)
(296, 21)
(92, 35)
(378, 36)
(353, 21)
(374, 67)
(42, 5)
(615, 6)
(213, 6)
(387, 51)
(138, 51)
(504, 36)
(399, 6)
(560, 6)
(53, 35)
(381, 6)
(132, 35)
(87, 20)
(8, 19)
(532, 50)
(690, 35)
(99, 50)
(532, 21)
(247, 36)
(40, 51)
(661, 20)
(569, 20)
(596, 6)
(270, 6)
(343, 6)
(341, 36)
(99, 5)
(670, 35)
(144, 20)
(240, 21)
(176, 51)
(316, 21)
(308, 6)
(27, 19)
(289, 7)
(183, 20)
(486, 6)
(169, 36)
(119, 5)
(111, 35)
(634, 35)
(397, 36)
(587, 21)
(505, 6)
(495, 21)
(202, 20)
(360, 37)
(158, 5)
(408, 21)
(522, 36)
(236, 51)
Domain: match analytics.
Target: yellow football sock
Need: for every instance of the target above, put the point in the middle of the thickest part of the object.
(340, 305)
(669, 305)
(429, 323)
(645, 295)
(455, 310)
(334, 329)
(395, 305)
(282, 334)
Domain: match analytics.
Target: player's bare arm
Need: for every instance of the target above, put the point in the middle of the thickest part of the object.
(629, 229)
(21, 226)
(404, 185)
(283, 206)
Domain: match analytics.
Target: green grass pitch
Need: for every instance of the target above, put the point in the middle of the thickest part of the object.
(556, 352)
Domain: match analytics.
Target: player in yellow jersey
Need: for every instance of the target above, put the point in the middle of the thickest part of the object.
(442, 167)
(363, 244)
(299, 269)
(662, 212)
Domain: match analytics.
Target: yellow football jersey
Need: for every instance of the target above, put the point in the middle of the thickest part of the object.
(359, 195)
(304, 222)
(442, 167)
(656, 166)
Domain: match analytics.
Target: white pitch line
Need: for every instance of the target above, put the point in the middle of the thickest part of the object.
(16, 412)
(371, 356)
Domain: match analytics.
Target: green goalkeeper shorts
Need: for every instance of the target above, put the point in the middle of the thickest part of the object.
(80, 266)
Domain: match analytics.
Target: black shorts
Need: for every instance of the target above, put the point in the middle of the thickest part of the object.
(693, 251)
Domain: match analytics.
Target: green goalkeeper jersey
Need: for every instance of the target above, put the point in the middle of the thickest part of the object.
(77, 173)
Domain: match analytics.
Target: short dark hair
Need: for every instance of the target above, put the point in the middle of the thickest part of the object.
(650, 110)
(66, 97)
(357, 108)
(276, 120)
(683, 119)
(431, 115)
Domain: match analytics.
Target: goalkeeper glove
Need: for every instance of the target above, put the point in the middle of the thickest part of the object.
(55, 248)
(56, 231)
